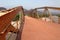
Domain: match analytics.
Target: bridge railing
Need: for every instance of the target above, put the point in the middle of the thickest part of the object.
(5, 21)
(50, 14)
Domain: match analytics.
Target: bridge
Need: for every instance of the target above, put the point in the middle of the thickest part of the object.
(27, 27)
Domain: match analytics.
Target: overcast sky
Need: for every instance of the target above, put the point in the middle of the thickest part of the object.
(28, 4)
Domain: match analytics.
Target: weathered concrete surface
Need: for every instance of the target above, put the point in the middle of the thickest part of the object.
(35, 29)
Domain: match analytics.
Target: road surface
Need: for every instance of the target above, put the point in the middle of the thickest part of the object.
(35, 29)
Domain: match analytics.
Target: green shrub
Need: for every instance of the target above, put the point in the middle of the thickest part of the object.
(45, 15)
(16, 18)
(58, 15)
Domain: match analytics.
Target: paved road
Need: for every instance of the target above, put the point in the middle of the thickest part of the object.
(35, 29)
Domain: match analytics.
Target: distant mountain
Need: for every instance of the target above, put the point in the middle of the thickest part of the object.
(2, 8)
(52, 12)
(26, 11)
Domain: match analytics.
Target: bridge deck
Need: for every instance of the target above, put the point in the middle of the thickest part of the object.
(40, 30)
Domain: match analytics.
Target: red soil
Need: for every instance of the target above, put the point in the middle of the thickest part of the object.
(35, 29)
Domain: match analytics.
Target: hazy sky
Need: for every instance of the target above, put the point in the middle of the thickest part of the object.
(28, 4)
